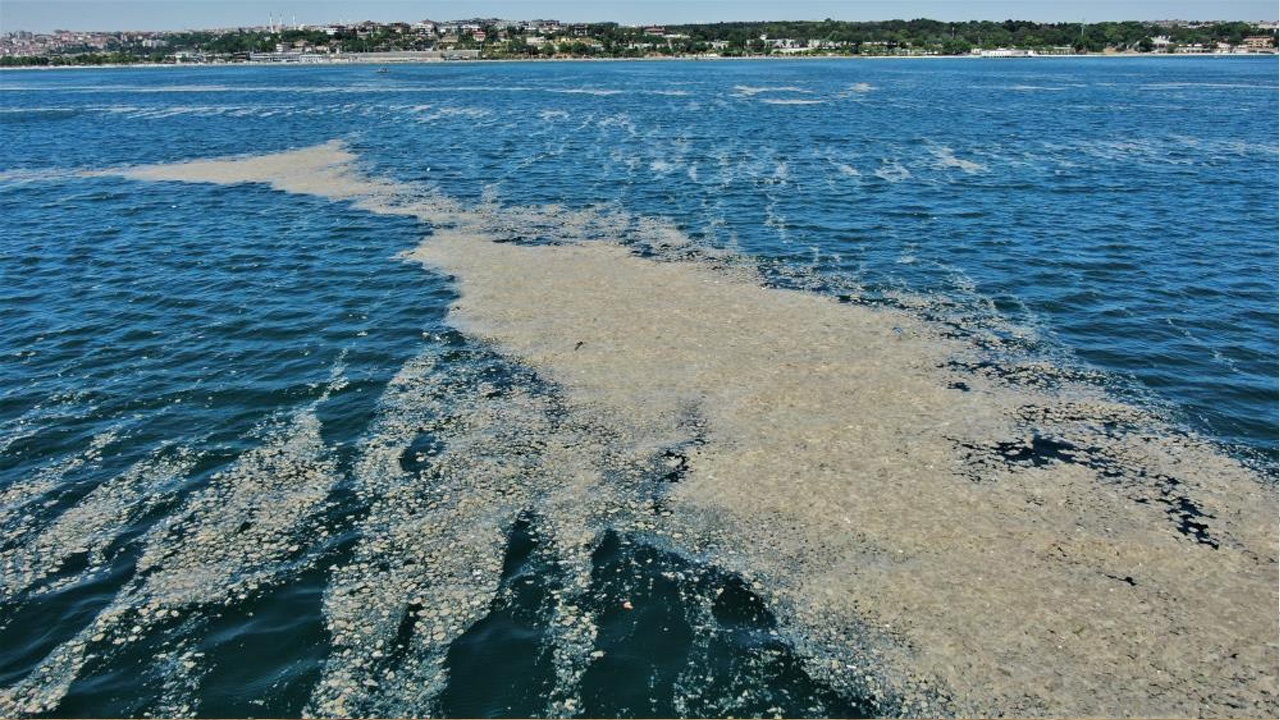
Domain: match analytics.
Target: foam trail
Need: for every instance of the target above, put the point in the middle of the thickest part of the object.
(93, 523)
(946, 158)
(892, 499)
(892, 171)
(29, 176)
(751, 91)
(398, 573)
(449, 464)
(18, 514)
(230, 540)
(791, 101)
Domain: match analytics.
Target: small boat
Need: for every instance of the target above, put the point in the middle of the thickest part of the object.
(382, 70)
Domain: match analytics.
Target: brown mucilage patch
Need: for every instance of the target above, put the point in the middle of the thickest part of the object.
(927, 534)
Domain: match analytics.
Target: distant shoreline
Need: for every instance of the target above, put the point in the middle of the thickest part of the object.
(689, 58)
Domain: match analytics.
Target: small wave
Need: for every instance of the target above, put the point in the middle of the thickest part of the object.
(790, 101)
(601, 92)
(194, 111)
(946, 158)
(621, 121)
(452, 112)
(662, 166)
(892, 172)
(1217, 86)
(180, 89)
(27, 176)
(751, 91)
(18, 500)
(43, 113)
(121, 88)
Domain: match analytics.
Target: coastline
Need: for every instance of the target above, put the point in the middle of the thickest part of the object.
(682, 58)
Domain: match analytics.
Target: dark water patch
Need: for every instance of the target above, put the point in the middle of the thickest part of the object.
(736, 606)
(1139, 484)
(130, 679)
(680, 640)
(32, 627)
(677, 465)
(527, 240)
(38, 115)
(1187, 515)
(263, 656)
(672, 464)
(644, 637)
(502, 665)
(418, 456)
(1038, 452)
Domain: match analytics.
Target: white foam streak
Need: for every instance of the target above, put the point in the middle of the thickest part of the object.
(18, 499)
(239, 535)
(751, 91)
(93, 523)
(892, 171)
(946, 158)
(790, 101)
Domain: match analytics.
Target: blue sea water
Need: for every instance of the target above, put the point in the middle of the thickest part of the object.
(1117, 216)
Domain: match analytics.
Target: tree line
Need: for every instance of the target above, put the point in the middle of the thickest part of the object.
(725, 38)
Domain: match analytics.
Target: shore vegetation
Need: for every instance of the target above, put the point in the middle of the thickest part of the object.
(500, 39)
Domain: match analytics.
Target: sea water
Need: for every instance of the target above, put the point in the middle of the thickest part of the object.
(194, 367)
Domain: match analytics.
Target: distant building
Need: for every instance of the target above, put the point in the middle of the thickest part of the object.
(542, 27)
(1003, 52)
(1259, 42)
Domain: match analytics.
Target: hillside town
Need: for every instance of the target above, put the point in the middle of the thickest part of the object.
(550, 39)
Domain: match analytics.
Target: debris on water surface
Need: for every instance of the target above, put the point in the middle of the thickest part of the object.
(834, 473)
